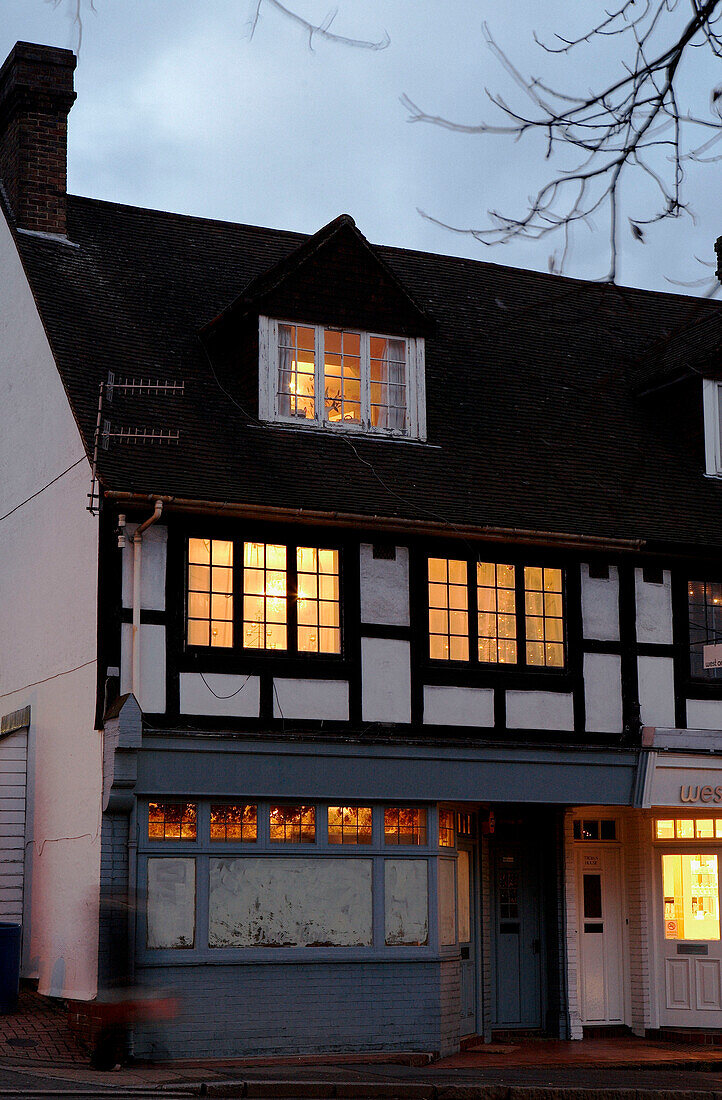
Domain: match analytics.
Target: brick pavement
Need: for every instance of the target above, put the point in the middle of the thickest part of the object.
(39, 1031)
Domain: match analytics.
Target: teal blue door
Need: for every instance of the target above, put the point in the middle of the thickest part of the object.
(516, 936)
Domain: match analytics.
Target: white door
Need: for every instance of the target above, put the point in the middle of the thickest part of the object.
(688, 929)
(599, 897)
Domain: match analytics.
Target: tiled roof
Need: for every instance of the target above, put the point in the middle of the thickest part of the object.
(533, 415)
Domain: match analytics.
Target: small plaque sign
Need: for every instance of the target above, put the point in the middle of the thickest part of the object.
(591, 862)
(712, 656)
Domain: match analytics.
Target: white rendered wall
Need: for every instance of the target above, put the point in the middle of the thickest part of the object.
(151, 690)
(220, 694)
(704, 714)
(654, 608)
(603, 692)
(152, 566)
(600, 605)
(458, 706)
(544, 710)
(48, 595)
(322, 700)
(384, 587)
(386, 680)
(656, 691)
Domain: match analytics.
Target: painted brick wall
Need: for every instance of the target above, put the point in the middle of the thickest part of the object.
(485, 938)
(449, 1001)
(304, 1008)
(113, 968)
(572, 926)
(636, 861)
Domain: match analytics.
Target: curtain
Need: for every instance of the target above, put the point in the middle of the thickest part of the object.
(285, 359)
(396, 384)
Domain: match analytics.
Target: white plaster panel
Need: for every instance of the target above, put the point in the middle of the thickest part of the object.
(603, 692)
(386, 680)
(654, 608)
(458, 706)
(406, 894)
(704, 714)
(171, 909)
(261, 902)
(546, 710)
(600, 605)
(152, 566)
(323, 700)
(656, 690)
(385, 587)
(447, 903)
(48, 596)
(152, 665)
(239, 695)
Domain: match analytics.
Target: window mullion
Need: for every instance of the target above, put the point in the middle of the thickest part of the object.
(291, 598)
(520, 597)
(365, 380)
(237, 575)
(319, 381)
(473, 613)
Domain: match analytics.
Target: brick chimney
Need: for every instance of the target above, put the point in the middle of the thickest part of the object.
(36, 94)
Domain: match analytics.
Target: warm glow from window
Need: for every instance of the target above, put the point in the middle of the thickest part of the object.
(446, 828)
(318, 607)
(404, 825)
(688, 828)
(342, 376)
(349, 824)
(448, 610)
(172, 821)
(210, 592)
(691, 897)
(296, 371)
(496, 602)
(234, 823)
(265, 596)
(544, 616)
(293, 824)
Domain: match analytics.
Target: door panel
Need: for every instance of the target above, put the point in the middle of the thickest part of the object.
(600, 935)
(517, 937)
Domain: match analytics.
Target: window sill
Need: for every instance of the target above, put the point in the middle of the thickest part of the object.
(314, 428)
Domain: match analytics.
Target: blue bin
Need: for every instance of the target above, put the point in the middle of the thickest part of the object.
(9, 966)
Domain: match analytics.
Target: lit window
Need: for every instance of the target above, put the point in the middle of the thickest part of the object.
(496, 603)
(665, 830)
(293, 824)
(172, 821)
(448, 610)
(317, 606)
(404, 826)
(446, 828)
(544, 616)
(349, 824)
(705, 628)
(712, 400)
(600, 829)
(688, 828)
(691, 897)
(265, 596)
(210, 592)
(341, 378)
(234, 823)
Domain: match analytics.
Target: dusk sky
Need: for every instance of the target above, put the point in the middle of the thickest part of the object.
(179, 109)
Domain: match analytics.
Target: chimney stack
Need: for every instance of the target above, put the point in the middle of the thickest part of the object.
(36, 94)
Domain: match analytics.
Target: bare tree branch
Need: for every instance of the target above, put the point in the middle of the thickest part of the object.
(76, 11)
(314, 30)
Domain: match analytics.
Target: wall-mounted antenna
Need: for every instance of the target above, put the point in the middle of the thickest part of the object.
(104, 432)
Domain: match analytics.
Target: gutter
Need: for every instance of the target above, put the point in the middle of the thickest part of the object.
(377, 523)
(137, 540)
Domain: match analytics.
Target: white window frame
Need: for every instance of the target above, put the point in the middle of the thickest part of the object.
(268, 404)
(712, 439)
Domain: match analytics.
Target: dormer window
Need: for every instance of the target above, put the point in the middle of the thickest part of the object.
(712, 397)
(342, 379)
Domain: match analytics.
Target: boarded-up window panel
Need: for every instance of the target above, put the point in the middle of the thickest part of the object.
(257, 902)
(447, 903)
(406, 901)
(171, 904)
(463, 886)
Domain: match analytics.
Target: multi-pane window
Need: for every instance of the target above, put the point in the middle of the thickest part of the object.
(688, 828)
(404, 825)
(288, 597)
(519, 617)
(341, 378)
(317, 606)
(349, 824)
(448, 610)
(265, 596)
(496, 607)
(172, 820)
(446, 828)
(237, 822)
(705, 626)
(293, 824)
(210, 592)
(596, 829)
(544, 616)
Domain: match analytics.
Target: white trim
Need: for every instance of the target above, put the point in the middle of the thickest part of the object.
(710, 398)
(415, 383)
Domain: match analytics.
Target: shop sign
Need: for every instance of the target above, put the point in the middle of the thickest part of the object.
(688, 793)
(591, 862)
(712, 656)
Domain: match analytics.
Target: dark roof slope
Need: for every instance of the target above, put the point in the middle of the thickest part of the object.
(533, 420)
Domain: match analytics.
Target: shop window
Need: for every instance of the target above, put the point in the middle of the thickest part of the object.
(171, 903)
(349, 824)
(688, 828)
(446, 828)
(172, 821)
(234, 823)
(466, 824)
(404, 826)
(705, 626)
(293, 824)
(210, 592)
(406, 902)
(691, 896)
(604, 828)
